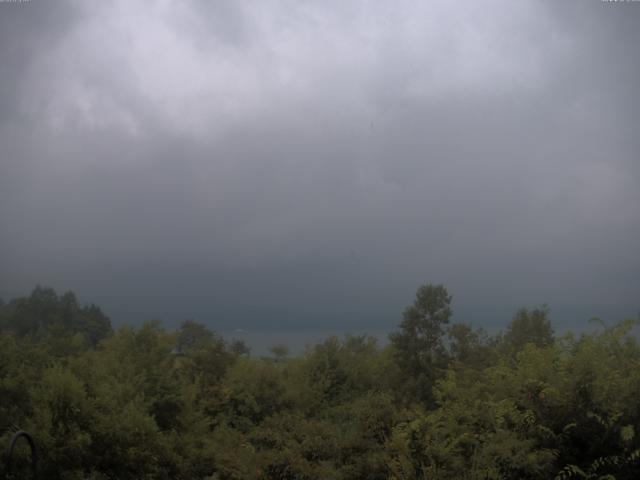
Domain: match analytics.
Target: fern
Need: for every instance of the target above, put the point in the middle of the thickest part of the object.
(571, 471)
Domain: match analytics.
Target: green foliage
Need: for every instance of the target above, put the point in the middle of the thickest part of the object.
(280, 352)
(419, 346)
(443, 402)
(192, 336)
(529, 326)
(44, 314)
(470, 347)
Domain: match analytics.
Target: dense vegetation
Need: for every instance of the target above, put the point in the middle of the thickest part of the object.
(442, 400)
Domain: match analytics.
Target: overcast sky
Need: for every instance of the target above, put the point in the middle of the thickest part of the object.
(307, 165)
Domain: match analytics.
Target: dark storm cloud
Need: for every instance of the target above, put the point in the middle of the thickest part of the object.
(306, 164)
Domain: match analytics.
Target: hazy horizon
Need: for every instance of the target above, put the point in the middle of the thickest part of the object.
(302, 166)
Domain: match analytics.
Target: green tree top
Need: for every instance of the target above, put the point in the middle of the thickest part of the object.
(530, 326)
(419, 347)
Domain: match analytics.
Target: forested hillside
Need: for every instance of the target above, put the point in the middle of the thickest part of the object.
(442, 401)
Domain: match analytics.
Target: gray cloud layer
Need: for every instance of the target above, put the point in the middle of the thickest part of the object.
(309, 164)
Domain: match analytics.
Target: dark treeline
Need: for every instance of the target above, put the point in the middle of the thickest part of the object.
(442, 401)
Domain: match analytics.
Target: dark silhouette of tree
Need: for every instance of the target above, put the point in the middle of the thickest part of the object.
(193, 335)
(529, 326)
(45, 314)
(419, 347)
